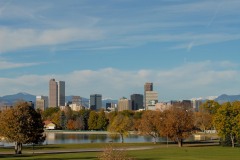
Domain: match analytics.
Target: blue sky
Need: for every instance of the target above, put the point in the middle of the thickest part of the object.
(186, 48)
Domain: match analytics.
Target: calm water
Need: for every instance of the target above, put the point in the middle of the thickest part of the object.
(62, 138)
(68, 138)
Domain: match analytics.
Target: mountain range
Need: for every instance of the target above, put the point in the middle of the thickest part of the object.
(11, 99)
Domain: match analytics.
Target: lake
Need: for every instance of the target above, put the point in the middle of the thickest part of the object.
(66, 138)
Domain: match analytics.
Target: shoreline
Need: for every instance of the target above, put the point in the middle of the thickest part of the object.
(76, 132)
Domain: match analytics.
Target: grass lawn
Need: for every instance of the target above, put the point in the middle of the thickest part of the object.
(159, 153)
(189, 153)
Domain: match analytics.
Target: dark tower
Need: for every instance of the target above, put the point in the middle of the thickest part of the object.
(137, 101)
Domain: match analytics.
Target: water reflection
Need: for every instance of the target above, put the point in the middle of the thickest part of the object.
(76, 138)
(64, 138)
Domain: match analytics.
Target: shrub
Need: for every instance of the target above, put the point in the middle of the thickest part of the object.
(111, 153)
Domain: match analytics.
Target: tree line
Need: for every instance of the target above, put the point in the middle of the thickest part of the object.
(176, 123)
(23, 124)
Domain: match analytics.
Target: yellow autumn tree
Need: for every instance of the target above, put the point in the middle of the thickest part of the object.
(227, 121)
(121, 125)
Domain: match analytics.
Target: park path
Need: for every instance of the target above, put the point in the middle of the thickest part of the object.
(102, 149)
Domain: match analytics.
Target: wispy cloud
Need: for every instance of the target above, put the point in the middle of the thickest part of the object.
(9, 65)
(188, 41)
(13, 39)
(182, 41)
(144, 24)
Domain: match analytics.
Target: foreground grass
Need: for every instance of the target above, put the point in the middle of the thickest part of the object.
(159, 153)
(188, 153)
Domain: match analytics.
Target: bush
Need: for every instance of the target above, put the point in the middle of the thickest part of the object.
(226, 141)
(111, 153)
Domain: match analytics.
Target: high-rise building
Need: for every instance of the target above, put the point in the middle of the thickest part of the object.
(151, 98)
(95, 101)
(124, 104)
(53, 93)
(61, 93)
(137, 101)
(56, 93)
(148, 86)
(41, 102)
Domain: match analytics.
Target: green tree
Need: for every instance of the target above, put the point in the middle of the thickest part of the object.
(102, 122)
(227, 122)
(47, 114)
(127, 113)
(22, 125)
(63, 120)
(56, 118)
(122, 125)
(85, 116)
(93, 120)
(177, 124)
(210, 106)
(111, 116)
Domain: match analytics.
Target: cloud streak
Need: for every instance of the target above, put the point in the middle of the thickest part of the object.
(144, 24)
(14, 39)
(10, 65)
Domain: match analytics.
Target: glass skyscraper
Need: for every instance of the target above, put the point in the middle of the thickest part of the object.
(95, 101)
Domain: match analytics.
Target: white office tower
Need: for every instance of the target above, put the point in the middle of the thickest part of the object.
(151, 100)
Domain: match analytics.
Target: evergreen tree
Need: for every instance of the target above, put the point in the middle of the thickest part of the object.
(63, 120)
(93, 121)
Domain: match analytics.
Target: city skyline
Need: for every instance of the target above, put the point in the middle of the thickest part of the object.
(185, 48)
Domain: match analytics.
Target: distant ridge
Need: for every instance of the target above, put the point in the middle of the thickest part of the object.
(227, 98)
(11, 99)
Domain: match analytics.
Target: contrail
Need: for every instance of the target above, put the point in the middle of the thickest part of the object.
(215, 14)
